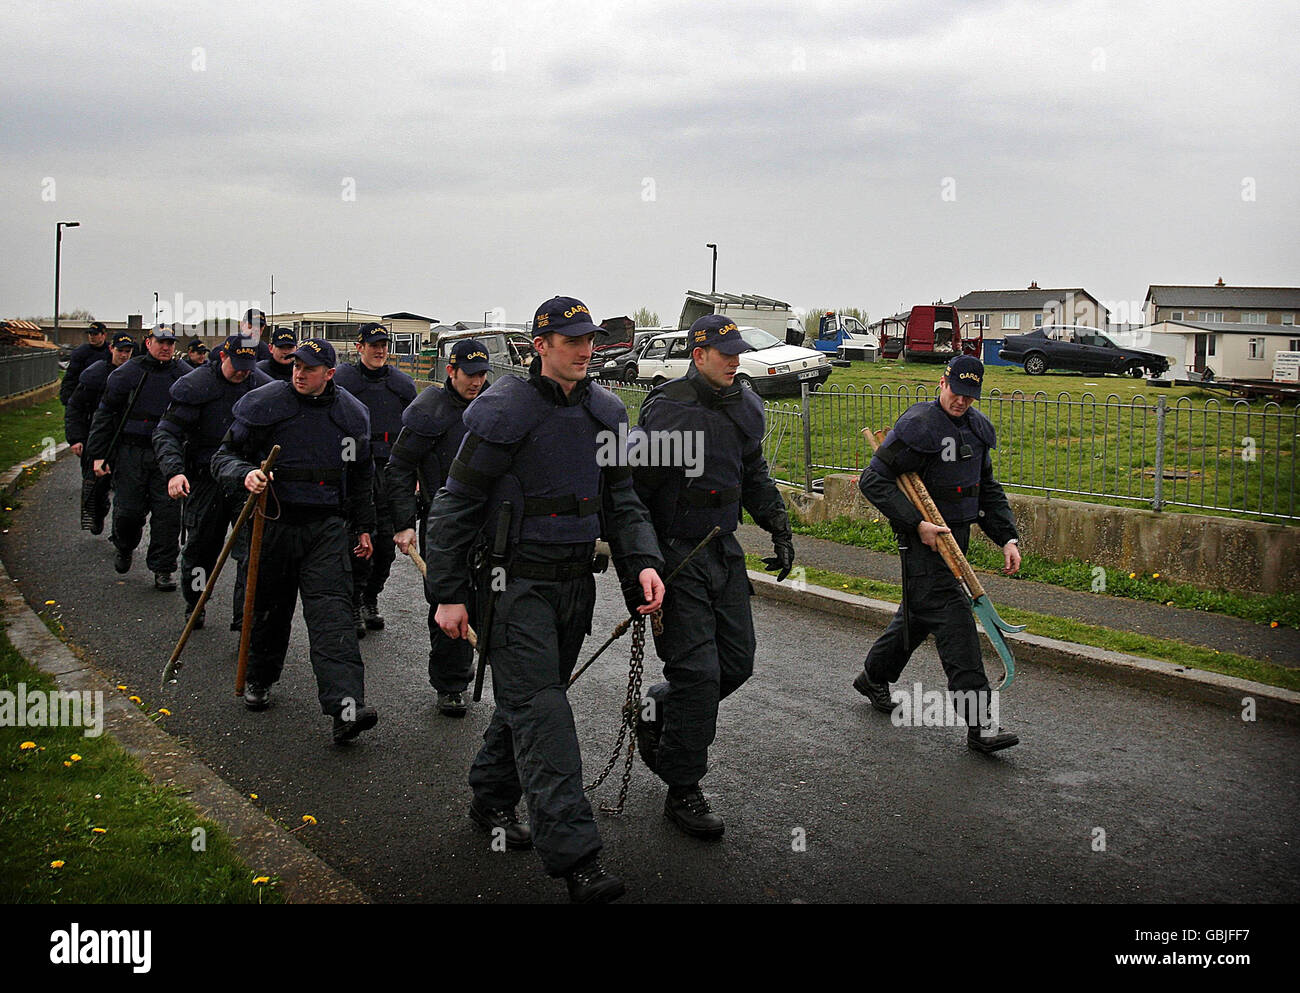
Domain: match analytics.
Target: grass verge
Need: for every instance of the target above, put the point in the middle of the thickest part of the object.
(81, 823)
(1072, 574)
(1063, 629)
(30, 430)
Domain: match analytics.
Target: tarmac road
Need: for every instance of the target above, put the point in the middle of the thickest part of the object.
(825, 800)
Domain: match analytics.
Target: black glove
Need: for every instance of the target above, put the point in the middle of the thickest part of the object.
(633, 595)
(783, 560)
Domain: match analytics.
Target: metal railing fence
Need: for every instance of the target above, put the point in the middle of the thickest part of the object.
(1237, 458)
(22, 372)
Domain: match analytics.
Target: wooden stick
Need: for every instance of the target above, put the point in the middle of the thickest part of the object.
(170, 669)
(250, 591)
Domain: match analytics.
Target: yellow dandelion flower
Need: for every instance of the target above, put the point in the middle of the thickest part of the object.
(1132, 575)
(49, 603)
(27, 746)
(308, 819)
(135, 699)
(75, 757)
(1169, 603)
(1155, 575)
(1272, 624)
(66, 762)
(57, 864)
(164, 711)
(99, 830)
(252, 796)
(261, 880)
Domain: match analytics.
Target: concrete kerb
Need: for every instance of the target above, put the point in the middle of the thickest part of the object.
(265, 845)
(1151, 674)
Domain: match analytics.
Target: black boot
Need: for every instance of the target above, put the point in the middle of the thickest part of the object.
(358, 621)
(877, 693)
(590, 883)
(256, 696)
(989, 739)
(687, 808)
(371, 616)
(518, 836)
(164, 581)
(364, 720)
(452, 704)
(122, 561)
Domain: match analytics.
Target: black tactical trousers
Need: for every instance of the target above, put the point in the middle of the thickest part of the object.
(370, 575)
(94, 490)
(451, 661)
(140, 492)
(707, 648)
(530, 747)
(936, 605)
(311, 555)
(209, 514)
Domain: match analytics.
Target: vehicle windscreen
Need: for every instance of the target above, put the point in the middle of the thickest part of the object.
(759, 338)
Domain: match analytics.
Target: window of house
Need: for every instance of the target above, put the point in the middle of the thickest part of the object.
(1213, 316)
(1010, 322)
(1254, 318)
(1288, 318)
(986, 320)
(1038, 320)
(1209, 348)
(1256, 348)
(1293, 345)
(1176, 315)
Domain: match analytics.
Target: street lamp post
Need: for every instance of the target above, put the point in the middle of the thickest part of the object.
(155, 308)
(58, 263)
(714, 288)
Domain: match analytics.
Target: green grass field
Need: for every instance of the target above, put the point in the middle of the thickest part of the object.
(81, 823)
(29, 431)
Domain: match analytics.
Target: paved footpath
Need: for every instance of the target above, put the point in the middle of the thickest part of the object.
(825, 800)
(1228, 634)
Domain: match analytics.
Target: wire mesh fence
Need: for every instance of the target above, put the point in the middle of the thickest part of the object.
(27, 371)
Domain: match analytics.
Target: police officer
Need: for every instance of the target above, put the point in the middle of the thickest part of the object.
(432, 430)
(251, 327)
(135, 397)
(386, 392)
(321, 487)
(707, 643)
(196, 354)
(280, 364)
(534, 443)
(77, 418)
(83, 356)
(197, 419)
(948, 442)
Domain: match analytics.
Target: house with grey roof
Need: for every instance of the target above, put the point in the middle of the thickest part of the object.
(1008, 312)
(1222, 304)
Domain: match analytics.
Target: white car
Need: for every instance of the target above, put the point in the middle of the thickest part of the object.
(773, 366)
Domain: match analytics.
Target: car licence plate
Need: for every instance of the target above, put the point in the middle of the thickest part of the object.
(808, 374)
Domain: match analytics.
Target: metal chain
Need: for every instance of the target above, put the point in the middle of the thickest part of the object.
(631, 706)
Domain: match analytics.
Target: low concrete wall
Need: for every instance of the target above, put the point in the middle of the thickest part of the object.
(1219, 553)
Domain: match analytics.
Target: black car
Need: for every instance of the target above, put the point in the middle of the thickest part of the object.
(1075, 348)
(620, 361)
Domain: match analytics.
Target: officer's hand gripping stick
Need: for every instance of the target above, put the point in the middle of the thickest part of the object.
(173, 663)
(418, 559)
(911, 485)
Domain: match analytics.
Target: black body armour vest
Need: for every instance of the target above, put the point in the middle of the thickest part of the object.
(386, 394)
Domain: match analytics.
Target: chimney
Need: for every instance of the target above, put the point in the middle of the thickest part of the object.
(1220, 282)
(1034, 285)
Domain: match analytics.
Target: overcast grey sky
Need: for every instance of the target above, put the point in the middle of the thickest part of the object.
(850, 154)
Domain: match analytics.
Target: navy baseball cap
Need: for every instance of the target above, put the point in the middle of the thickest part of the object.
(255, 318)
(96, 327)
(469, 356)
(121, 339)
(284, 337)
(196, 346)
(566, 315)
(164, 332)
(965, 375)
(717, 331)
(315, 351)
(242, 352)
(370, 333)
